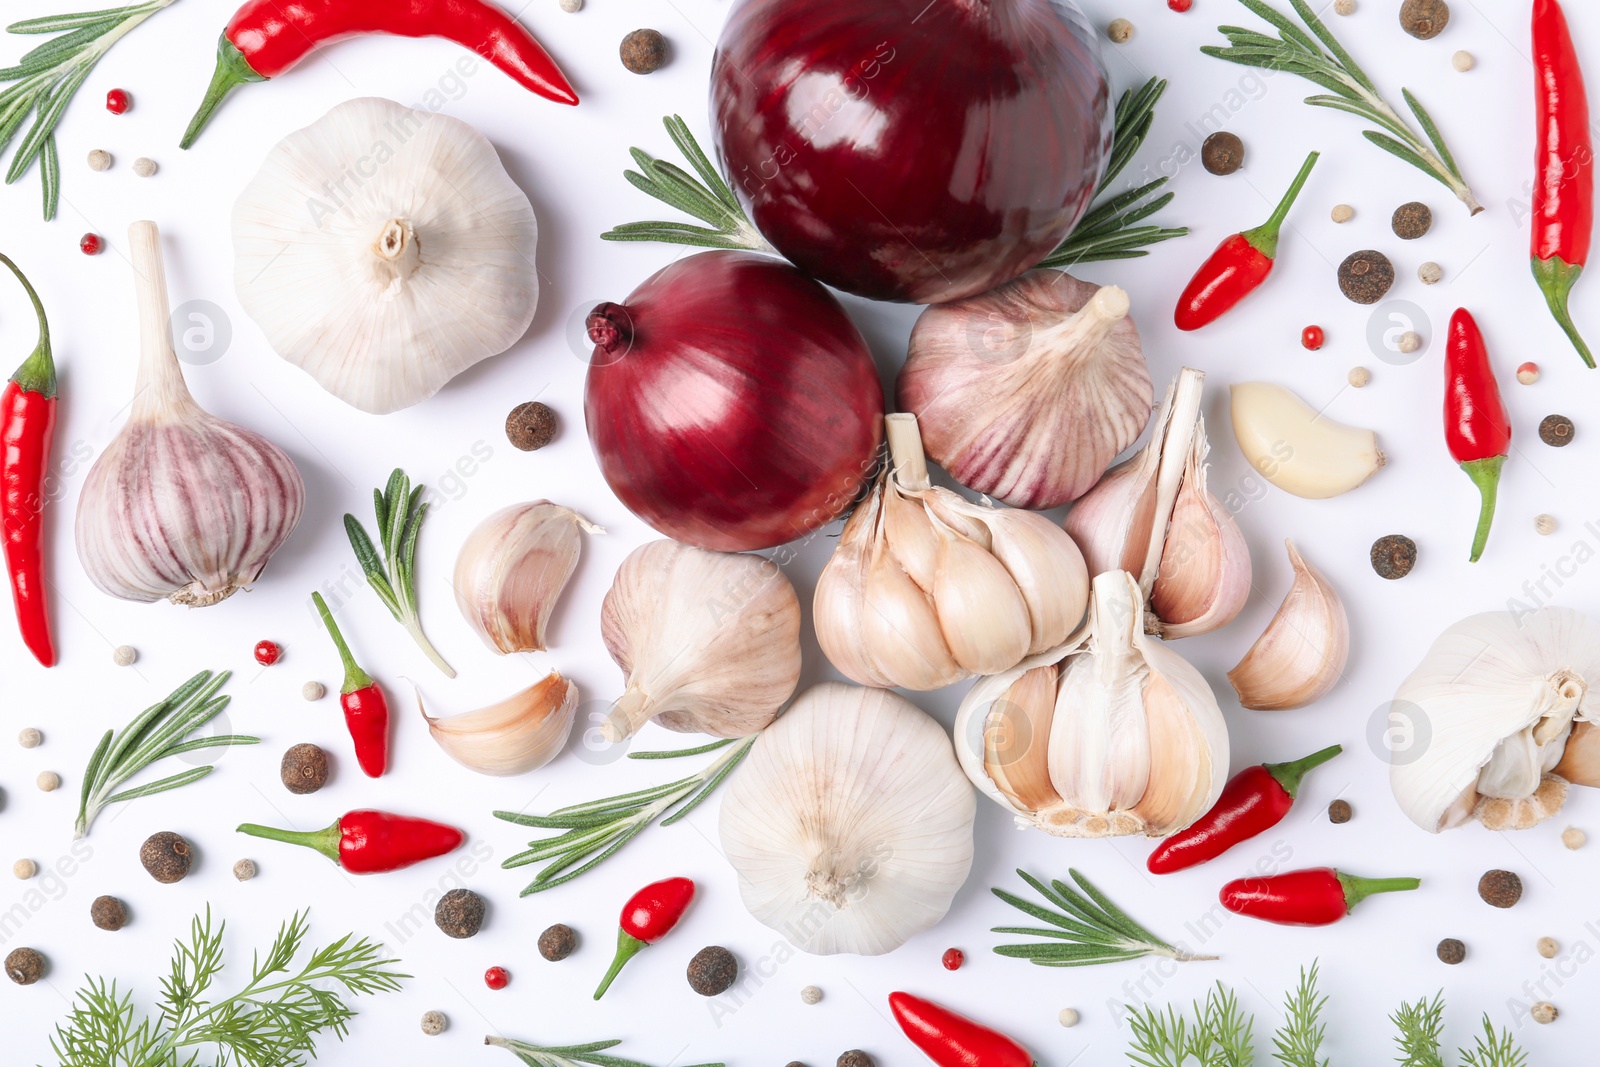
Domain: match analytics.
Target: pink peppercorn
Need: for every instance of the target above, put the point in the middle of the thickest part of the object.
(952, 959)
(118, 101)
(1313, 337)
(1180, 5)
(267, 653)
(90, 244)
(497, 978)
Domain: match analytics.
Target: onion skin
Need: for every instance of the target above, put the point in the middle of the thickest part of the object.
(887, 161)
(731, 402)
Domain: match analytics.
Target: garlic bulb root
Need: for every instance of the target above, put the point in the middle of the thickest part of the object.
(1297, 448)
(1301, 655)
(512, 569)
(519, 734)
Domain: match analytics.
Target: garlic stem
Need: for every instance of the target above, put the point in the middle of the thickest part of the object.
(1078, 336)
(628, 716)
(160, 393)
(1178, 431)
(905, 452)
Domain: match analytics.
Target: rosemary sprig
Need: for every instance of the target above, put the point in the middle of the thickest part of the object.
(272, 1019)
(710, 199)
(1319, 57)
(47, 77)
(567, 1055)
(597, 830)
(156, 733)
(1110, 230)
(400, 510)
(1298, 1041)
(1088, 928)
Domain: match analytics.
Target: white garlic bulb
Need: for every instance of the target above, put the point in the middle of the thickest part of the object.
(926, 588)
(511, 571)
(709, 642)
(518, 734)
(1482, 725)
(181, 505)
(1027, 392)
(1301, 654)
(1111, 734)
(384, 251)
(849, 824)
(1298, 448)
(1153, 517)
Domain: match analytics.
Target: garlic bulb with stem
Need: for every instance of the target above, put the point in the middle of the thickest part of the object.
(386, 283)
(708, 642)
(181, 505)
(1113, 733)
(520, 733)
(849, 824)
(1298, 448)
(511, 571)
(1301, 655)
(1153, 517)
(1488, 717)
(1027, 392)
(926, 588)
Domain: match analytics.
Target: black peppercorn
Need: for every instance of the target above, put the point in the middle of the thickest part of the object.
(531, 426)
(24, 966)
(644, 51)
(713, 971)
(1424, 19)
(1222, 153)
(1393, 556)
(1411, 220)
(304, 768)
(794, 1063)
(1451, 951)
(856, 1058)
(557, 943)
(1556, 430)
(459, 913)
(1366, 276)
(1339, 811)
(166, 856)
(108, 913)
(1500, 889)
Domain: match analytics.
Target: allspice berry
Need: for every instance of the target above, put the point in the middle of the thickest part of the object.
(855, 1058)
(25, 966)
(557, 943)
(459, 913)
(304, 768)
(108, 913)
(1412, 220)
(1393, 556)
(1556, 431)
(531, 426)
(1366, 276)
(1500, 889)
(167, 856)
(1424, 19)
(712, 971)
(1222, 153)
(1451, 951)
(1339, 811)
(644, 51)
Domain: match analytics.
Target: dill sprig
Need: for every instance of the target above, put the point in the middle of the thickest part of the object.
(276, 1018)
(1319, 57)
(400, 510)
(1220, 1035)
(597, 830)
(1419, 1027)
(567, 1055)
(1298, 1042)
(1088, 929)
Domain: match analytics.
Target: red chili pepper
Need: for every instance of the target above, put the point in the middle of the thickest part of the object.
(647, 917)
(1476, 426)
(1314, 897)
(1238, 266)
(27, 424)
(267, 37)
(1563, 188)
(370, 842)
(1254, 801)
(952, 1040)
(366, 712)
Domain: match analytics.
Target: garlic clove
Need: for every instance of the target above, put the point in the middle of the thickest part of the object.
(1301, 655)
(1580, 760)
(1114, 521)
(1016, 741)
(519, 734)
(909, 535)
(1204, 576)
(838, 606)
(1296, 447)
(901, 632)
(512, 569)
(981, 612)
(1046, 566)
(1180, 775)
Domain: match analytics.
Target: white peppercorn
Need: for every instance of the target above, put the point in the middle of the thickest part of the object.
(1119, 30)
(1068, 1017)
(144, 166)
(313, 691)
(1409, 341)
(24, 869)
(1344, 7)
(124, 655)
(1463, 60)
(1544, 525)
(30, 738)
(1342, 213)
(1573, 838)
(810, 995)
(1359, 377)
(99, 159)
(1547, 947)
(1429, 273)
(571, 6)
(244, 870)
(49, 781)
(434, 1023)
(1545, 1012)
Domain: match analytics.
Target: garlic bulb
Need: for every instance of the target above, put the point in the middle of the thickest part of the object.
(511, 571)
(1297, 448)
(1154, 518)
(709, 642)
(1301, 654)
(1492, 712)
(1111, 734)
(181, 505)
(1027, 392)
(384, 251)
(925, 588)
(521, 733)
(849, 823)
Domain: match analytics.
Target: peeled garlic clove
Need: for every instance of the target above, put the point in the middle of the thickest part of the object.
(1301, 655)
(1204, 576)
(1296, 447)
(1016, 741)
(511, 571)
(519, 734)
(981, 612)
(709, 642)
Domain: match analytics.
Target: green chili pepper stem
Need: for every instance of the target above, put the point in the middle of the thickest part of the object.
(628, 947)
(325, 841)
(1556, 277)
(1264, 238)
(1485, 474)
(1289, 774)
(1357, 889)
(233, 70)
(354, 677)
(38, 372)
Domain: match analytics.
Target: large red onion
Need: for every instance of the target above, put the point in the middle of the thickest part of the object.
(919, 150)
(731, 402)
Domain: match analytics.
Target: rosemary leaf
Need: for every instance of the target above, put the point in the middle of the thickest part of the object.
(707, 197)
(400, 510)
(50, 177)
(1093, 928)
(567, 1055)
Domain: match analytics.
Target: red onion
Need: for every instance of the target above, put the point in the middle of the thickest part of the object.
(919, 150)
(731, 402)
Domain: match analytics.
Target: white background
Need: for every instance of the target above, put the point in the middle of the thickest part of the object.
(570, 162)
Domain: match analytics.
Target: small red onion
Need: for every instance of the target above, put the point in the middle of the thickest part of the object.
(731, 402)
